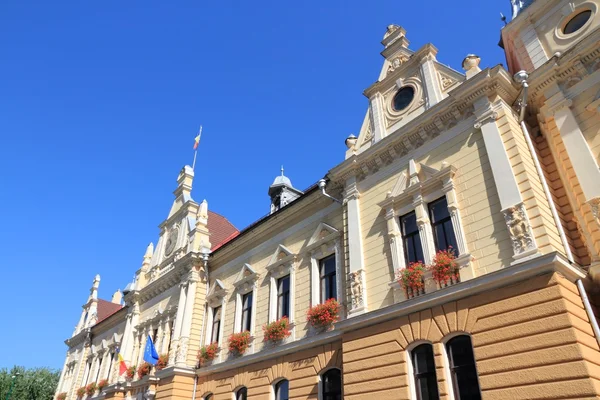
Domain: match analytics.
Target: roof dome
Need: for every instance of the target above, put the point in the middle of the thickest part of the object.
(282, 180)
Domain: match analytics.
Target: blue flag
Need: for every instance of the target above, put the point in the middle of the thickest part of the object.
(150, 354)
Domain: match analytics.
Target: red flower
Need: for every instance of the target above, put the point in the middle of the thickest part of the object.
(411, 277)
(239, 342)
(61, 396)
(208, 353)
(102, 384)
(130, 373)
(91, 389)
(323, 315)
(81, 391)
(163, 360)
(277, 330)
(144, 370)
(444, 268)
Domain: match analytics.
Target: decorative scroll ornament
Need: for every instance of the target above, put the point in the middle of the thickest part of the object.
(356, 286)
(519, 229)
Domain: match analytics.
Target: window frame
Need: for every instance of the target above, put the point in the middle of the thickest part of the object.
(246, 283)
(276, 386)
(324, 242)
(412, 379)
(442, 222)
(325, 281)
(412, 236)
(247, 311)
(321, 387)
(282, 264)
(283, 297)
(214, 311)
(447, 364)
(236, 393)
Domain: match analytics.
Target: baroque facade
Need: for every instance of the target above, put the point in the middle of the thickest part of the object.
(497, 166)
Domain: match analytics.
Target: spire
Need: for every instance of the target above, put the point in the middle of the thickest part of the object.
(117, 297)
(201, 233)
(148, 256)
(94, 289)
(282, 192)
(183, 193)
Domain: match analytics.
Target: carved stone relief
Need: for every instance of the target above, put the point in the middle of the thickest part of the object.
(519, 229)
(356, 286)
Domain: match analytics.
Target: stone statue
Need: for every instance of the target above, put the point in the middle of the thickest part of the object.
(356, 288)
(518, 228)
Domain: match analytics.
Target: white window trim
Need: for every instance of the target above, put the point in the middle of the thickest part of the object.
(409, 367)
(320, 381)
(234, 392)
(325, 250)
(275, 382)
(217, 296)
(446, 361)
(282, 263)
(247, 281)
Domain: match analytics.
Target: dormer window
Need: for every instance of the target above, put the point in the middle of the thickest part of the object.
(577, 22)
(403, 98)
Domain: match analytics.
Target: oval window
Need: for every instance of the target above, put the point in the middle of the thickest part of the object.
(403, 98)
(577, 22)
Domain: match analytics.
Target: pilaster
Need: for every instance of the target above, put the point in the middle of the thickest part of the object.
(178, 323)
(355, 249)
(186, 326)
(533, 46)
(377, 117)
(511, 202)
(430, 78)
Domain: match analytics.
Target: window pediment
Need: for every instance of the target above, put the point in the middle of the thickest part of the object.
(246, 278)
(418, 182)
(281, 262)
(324, 235)
(216, 292)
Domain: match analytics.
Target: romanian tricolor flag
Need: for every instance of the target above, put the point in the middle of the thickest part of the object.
(122, 365)
(197, 139)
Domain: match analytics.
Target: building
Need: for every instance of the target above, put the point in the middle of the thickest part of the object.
(499, 164)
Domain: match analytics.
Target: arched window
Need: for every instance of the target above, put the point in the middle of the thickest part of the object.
(208, 397)
(241, 394)
(462, 368)
(331, 385)
(423, 366)
(282, 389)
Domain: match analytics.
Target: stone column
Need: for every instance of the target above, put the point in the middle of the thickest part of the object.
(511, 202)
(178, 323)
(166, 335)
(425, 232)
(186, 324)
(159, 337)
(355, 249)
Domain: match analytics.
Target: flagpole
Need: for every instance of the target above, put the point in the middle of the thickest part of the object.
(197, 143)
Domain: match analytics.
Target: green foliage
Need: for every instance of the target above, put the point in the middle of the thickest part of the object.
(30, 384)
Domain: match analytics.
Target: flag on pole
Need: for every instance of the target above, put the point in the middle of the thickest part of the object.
(122, 365)
(150, 354)
(197, 139)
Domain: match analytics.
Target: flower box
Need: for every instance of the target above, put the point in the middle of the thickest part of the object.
(91, 388)
(239, 342)
(163, 360)
(324, 315)
(102, 384)
(144, 370)
(81, 391)
(411, 279)
(276, 331)
(130, 373)
(208, 353)
(61, 396)
(445, 269)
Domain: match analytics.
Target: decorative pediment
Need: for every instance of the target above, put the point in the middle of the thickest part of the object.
(281, 255)
(217, 291)
(419, 179)
(246, 276)
(322, 235)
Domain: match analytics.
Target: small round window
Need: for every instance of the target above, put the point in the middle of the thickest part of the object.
(577, 22)
(403, 98)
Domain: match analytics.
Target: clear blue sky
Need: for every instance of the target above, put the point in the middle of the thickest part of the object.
(100, 102)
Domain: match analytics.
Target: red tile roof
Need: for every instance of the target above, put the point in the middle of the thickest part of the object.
(221, 230)
(106, 309)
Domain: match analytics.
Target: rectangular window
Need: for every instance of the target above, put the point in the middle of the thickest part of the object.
(246, 311)
(155, 336)
(216, 325)
(413, 251)
(441, 223)
(328, 278)
(283, 297)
